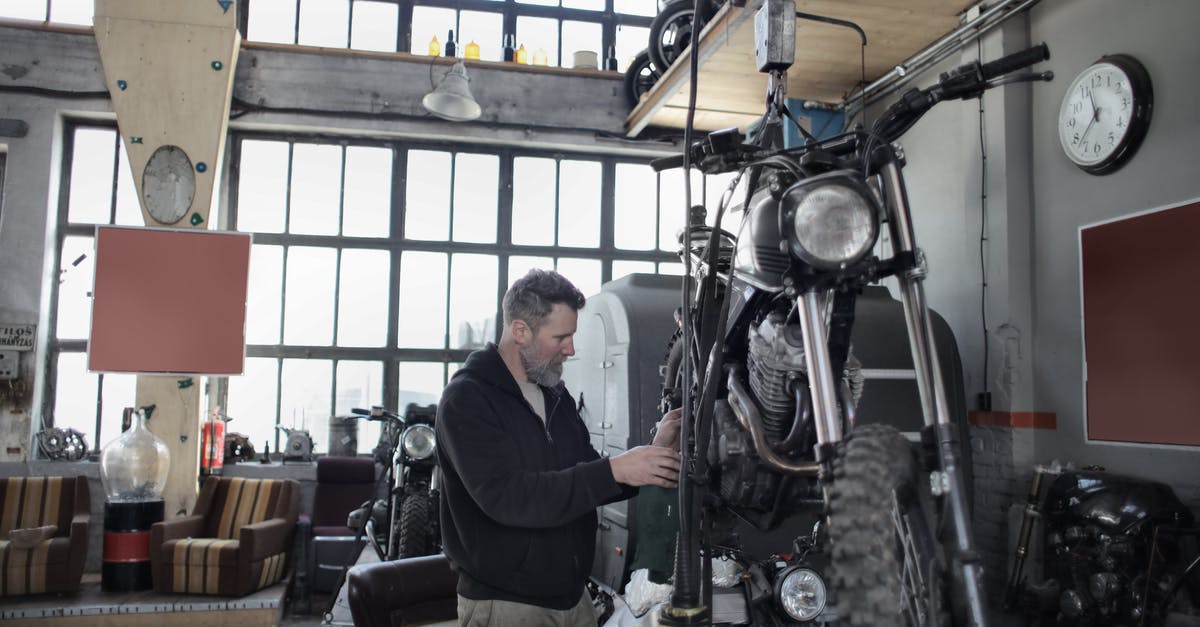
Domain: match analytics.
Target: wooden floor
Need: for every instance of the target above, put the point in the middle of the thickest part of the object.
(92, 606)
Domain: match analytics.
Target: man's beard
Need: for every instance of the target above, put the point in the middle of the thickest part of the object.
(546, 372)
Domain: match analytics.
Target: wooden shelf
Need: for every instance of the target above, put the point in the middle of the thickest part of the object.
(827, 68)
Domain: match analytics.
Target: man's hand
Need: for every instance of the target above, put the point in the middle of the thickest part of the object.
(667, 430)
(646, 465)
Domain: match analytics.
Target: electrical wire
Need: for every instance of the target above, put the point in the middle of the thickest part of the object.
(983, 225)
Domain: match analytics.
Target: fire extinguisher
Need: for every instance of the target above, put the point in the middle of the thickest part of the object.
(212, 449)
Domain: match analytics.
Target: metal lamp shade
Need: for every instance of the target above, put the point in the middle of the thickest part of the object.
(452, 99)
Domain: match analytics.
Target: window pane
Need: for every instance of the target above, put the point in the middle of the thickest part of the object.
(92, 162)
(308, 304)
(579, 203)
(367, 198)
(672, 208)
(75, 397)
(533, 201)
(363, 298)
(71, 11)
(374, 26)
(634, 207)
(427, 195)
(324, 23)
(672, 268)
(476, 185)
(485, 29)
(263, 297)
(360, 384)
(580, 36)
(420, 383)
(539, 33)
(635, 7)
(427, 23)
(622, 267)
(316, 181)
(129, 211)
(630, 41)
(584, 273)
(715, 186)
(545, 3)
(23, 10)
(262, 186)
(473, 304)
(119, 391)
(518, 266)
(587, 5)
(251, 402)
(422, 300)
(304, 402)
(77, 268)
(272, 21)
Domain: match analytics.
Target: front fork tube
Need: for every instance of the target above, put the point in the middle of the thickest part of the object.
(933, 395)
(820, 368)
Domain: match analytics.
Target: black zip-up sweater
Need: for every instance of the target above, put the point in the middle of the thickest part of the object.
(519, 498)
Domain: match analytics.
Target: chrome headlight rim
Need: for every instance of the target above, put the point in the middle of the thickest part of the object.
(419, 441)
(803, 576)
(804, 207)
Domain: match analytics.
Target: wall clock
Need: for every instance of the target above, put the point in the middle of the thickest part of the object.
(1105, 114)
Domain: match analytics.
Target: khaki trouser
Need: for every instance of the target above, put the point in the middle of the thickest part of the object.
(473, 613)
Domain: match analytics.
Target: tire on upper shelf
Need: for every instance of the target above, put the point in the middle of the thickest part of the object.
(640, 77)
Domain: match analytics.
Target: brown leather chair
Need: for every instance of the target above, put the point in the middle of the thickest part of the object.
(235, 542)
(43, 533)
(410, 591)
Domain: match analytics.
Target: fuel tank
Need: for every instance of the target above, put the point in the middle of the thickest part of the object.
(1116, 503)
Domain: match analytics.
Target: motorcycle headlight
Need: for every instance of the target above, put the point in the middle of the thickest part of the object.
(801, 593)
(419, 441)
(833, 220)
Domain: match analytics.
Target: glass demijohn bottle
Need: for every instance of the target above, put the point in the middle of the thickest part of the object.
(133, 466)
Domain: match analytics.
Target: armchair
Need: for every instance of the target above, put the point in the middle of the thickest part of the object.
(235, 542)
(43, 533)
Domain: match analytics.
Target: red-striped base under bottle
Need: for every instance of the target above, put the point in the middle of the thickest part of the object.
(126, 565)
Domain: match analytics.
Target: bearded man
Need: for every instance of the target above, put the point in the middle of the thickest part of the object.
(520, 479)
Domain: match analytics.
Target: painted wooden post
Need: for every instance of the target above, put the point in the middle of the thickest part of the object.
(168, 65)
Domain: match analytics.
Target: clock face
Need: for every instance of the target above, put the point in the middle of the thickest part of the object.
(1105, 114)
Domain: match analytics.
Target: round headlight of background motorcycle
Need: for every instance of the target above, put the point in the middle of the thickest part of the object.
(801, 593)
(419, 441)
(834, 221)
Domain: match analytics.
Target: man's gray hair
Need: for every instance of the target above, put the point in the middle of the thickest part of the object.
(533, 296)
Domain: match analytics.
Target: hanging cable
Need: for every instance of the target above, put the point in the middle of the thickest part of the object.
(983, 233)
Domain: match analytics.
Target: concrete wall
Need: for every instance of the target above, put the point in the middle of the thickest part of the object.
(1036, 201)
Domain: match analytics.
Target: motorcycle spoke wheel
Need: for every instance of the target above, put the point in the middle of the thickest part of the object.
(671, 33)
(884, 567)
(640, 77)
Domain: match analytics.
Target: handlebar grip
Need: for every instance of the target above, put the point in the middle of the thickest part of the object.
(1015, 61)
(667, 163)
(360, 411)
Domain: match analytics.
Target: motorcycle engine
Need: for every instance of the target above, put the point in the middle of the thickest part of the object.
(777, 376)
(1101, 575)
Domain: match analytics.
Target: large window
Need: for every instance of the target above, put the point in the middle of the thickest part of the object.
(557, 28)
(376, 266)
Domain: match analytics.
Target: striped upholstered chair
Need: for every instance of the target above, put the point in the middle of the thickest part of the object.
(235, 542)
(43, 533)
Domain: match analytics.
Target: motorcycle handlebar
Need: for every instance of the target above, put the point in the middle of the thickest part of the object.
(1015, 61)
(375, 413)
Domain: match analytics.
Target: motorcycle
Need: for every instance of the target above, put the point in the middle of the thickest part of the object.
(1117, 550)
(769, 382)
(406, 524)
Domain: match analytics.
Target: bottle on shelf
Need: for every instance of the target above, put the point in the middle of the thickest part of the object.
(610, 60)
(540, 57)
(450, 47)
(435, 48)
(522, 56)
(509, 52)
(471, 51)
